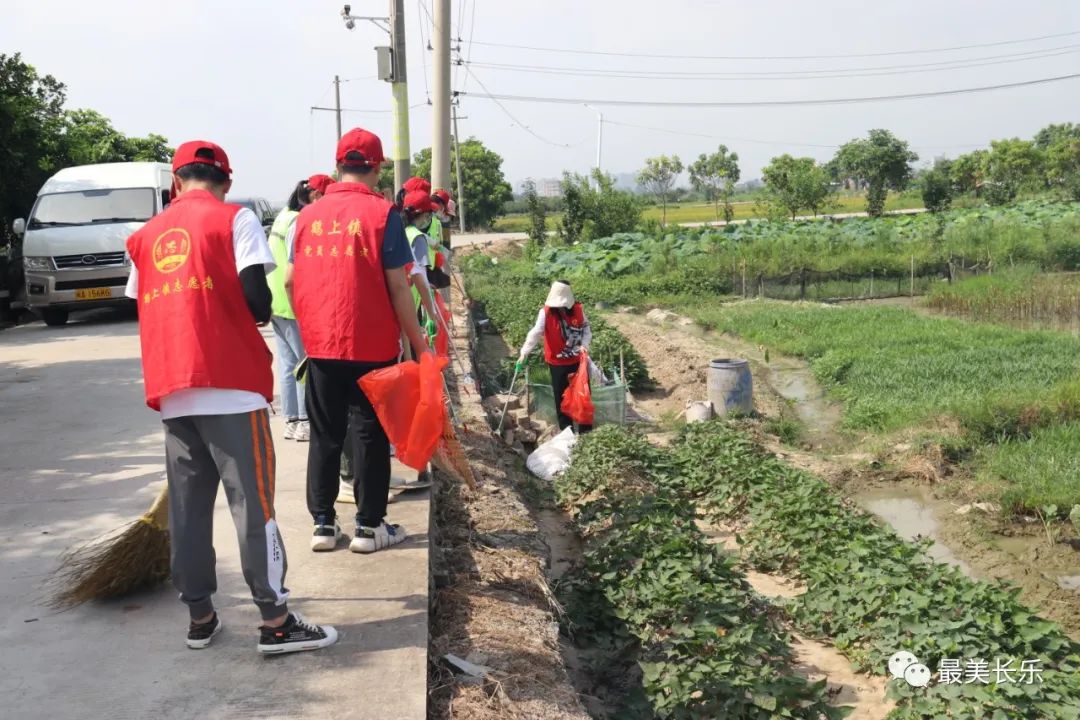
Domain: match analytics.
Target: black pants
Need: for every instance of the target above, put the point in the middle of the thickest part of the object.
(339, 411)
(560, 380)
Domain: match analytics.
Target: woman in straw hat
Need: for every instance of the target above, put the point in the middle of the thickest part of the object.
(565, 332)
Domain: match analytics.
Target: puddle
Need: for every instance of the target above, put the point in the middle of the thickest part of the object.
(796, 385)
(911, 517)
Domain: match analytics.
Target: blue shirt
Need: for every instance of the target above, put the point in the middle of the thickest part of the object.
(395, 246)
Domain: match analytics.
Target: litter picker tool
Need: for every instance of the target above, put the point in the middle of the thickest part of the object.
(506, 405)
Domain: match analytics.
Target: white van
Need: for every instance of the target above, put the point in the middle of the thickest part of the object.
(74, 242)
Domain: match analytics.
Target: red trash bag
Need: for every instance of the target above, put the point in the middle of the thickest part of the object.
(408, 400)
(577, 400)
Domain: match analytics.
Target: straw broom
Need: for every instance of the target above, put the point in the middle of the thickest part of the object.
(450, 456)
(135, 558)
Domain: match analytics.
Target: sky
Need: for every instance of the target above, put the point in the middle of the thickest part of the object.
(245, 74)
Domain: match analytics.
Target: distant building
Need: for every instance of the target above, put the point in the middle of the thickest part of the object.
(549, 187)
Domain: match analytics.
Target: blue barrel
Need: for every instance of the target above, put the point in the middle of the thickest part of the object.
(730, 386)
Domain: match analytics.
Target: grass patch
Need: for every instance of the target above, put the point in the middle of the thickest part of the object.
(1036, 472)
(1020, 297)
(894, 369)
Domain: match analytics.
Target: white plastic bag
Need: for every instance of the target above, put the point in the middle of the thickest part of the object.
(552, 457)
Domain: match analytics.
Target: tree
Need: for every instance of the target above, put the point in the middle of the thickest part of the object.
(969, 172)
(882, 160)
(1059, 146)
(658, 178)
(937, 186)
(715, 175)
(537, 215)
(1011, 166)
(486, 189)
(793, 184)
(593, 208)
(1053, 134)
(31, 118)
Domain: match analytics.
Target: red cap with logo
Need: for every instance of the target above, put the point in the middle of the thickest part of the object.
(320, 182)
(360, 147)
(417, 201)
(416, 184)
(201, 151)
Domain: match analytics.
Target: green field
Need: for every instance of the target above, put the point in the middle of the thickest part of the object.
(695, 212)
(895, 369)
(1022, 297)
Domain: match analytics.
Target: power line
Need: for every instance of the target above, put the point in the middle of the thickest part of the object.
(420, 5)
(776, 57)
(367, 112)
(767, 103)
(510, 115)
(822, 74)
(468, 53)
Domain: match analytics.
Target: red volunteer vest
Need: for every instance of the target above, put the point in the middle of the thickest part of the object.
(194, 324)
(554, 342)
(339, 289)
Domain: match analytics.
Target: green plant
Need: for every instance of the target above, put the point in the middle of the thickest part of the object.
(658, 177)
(652, 585)
(882, 160)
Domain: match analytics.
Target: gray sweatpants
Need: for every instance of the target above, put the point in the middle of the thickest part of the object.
(236, 451)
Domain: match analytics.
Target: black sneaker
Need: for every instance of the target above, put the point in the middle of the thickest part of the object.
(200, 635)
(294, 636)
(326, 535)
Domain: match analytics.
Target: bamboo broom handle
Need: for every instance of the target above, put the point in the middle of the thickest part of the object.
(158, 514)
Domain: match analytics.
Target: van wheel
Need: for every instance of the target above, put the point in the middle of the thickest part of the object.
(54, 317)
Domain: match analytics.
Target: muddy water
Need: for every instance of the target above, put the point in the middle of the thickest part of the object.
(911, 516)
(796, 384)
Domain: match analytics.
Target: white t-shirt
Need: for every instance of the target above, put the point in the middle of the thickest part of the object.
(251, 248)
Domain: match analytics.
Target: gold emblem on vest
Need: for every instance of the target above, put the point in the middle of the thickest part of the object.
(171, 250)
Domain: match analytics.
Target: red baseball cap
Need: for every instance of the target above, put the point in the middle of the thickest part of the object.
(360, 147)
(320, 182)
(440, 196)
(417, 183)
(417, 201)
(201, 151)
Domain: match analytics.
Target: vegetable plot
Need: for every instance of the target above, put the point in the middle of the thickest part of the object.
(648, 572)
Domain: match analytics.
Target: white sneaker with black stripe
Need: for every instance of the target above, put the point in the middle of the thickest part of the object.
(369, 540)
(326, 535)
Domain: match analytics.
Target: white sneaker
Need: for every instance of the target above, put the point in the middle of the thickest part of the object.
(290, 429)
(345, 492)
(369, 540)
(302, 431)
(325, 537)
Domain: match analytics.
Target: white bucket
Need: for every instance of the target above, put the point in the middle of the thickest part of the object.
(698, 411)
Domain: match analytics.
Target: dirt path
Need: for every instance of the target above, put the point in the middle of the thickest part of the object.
(492, 605)
(678, 357)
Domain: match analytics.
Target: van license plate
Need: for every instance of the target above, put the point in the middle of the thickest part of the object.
(93, 294)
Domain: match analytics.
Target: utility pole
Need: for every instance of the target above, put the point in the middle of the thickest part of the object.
(440, 141)
(400, 89)
(391, 62)
(457, 165)
(337, 103)
(599, 136)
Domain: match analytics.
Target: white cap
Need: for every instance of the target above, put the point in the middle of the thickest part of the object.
(560, 295)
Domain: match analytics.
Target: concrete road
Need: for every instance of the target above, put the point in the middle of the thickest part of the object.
(80, 454)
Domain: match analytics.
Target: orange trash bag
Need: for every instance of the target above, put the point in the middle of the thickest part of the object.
(577, 400)
(442, 337)
(408, 400)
